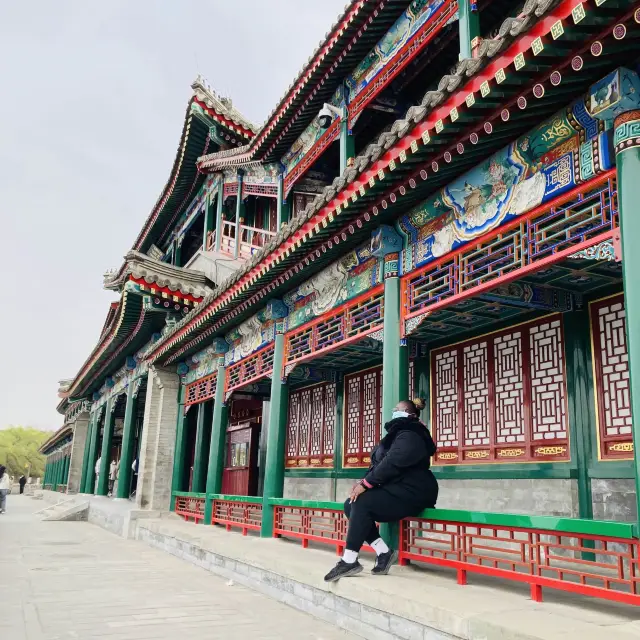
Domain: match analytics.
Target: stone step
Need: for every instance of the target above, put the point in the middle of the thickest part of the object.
(412, 602)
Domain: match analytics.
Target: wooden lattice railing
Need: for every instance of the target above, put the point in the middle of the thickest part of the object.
(201, 390)
(189, 505)
(250, 369)
(347, 323)
(583, 217)
(587, 557)
(242, 512)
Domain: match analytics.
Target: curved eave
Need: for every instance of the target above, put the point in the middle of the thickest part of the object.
(61, 433)
(130, 330)
(386, 179)
(184, 182)
(357, 31)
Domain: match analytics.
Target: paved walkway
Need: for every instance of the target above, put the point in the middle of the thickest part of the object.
(73, 580)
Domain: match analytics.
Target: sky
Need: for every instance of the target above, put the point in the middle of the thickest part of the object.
(92, 101)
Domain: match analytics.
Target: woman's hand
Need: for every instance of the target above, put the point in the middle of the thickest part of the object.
(357, 490)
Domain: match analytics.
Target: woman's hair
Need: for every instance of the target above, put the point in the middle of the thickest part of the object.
(412, 406)
(419, 404)
(2, 470)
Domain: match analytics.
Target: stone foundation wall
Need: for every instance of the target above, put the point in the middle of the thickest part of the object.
(536, 497)
(309, 488)
(80, 432)
(614, 500)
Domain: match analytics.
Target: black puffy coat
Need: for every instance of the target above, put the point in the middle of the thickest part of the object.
(400, 464)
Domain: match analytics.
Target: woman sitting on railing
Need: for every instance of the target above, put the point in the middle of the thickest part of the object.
(398, 484)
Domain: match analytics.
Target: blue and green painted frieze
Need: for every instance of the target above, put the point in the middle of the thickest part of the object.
(560, 153)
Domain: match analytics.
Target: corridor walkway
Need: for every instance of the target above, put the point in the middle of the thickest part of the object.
(72, 580)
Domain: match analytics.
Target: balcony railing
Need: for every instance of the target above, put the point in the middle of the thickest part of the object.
(252, 239)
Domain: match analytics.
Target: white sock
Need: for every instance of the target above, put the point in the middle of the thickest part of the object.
(379, 546)
(349, 556)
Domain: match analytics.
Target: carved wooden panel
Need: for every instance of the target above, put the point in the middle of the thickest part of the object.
(612, 384)
(502, 397)
(311, 426)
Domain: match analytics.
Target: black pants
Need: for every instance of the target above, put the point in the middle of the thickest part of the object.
(21, 488)
(375, 505)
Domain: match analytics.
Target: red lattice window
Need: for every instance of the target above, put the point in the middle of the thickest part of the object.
(363, 409)
(611, 368)
(200, 390)
(502, 397)
(311, 426)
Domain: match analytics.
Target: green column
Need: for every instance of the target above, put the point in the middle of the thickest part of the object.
(128, 438)
(219, 203)
(209, 220)
(239, 216)
(469, 25)
(85, 457)
(625, 138)
(278, 408)
(395, 355)
(93, 454)
(203, 440)
(218, 440)
(284, 209)
(582, 421)
(56, 480)
(180, 448)
(395, 371)
(67, 461)
(107, 440)
(347, 142)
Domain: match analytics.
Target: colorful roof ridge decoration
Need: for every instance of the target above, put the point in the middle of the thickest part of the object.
(141, 268)
(347, 42)
(128, 330)
(425, 121)
(205, 110)
(58, 435)
(221, 109)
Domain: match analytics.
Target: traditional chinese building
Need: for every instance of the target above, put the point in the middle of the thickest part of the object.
(441, 205)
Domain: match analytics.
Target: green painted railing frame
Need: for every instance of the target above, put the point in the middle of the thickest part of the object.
(552, 524)
(222, 496)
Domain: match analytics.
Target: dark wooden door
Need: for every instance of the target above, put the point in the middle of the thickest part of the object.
(240, 476)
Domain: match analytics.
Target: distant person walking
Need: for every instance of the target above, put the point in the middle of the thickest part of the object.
(97, 470)
(5, 488)
(22, 482)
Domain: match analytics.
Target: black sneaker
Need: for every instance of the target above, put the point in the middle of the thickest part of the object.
(343, 570)
(384, 562)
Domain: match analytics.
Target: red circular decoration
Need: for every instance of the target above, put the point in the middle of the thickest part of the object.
(596, 48)
(538, 90)
(619, 31)
(460, 148)
(504, 114)
(473, 138)
(555, 78)
(488, 127)
(577, 63)
(423, 174)
(522, 102)
(447, 156)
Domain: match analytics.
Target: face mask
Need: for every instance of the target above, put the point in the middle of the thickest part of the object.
(399, 414)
